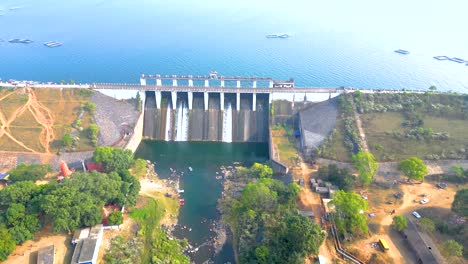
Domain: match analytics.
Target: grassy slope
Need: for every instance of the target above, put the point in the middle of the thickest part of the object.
(376, 124)
(64, 105)
(285, 145)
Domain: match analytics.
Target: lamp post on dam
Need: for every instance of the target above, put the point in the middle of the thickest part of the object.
(206, 89)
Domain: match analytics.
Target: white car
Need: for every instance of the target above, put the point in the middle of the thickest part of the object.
(424, 201)
(416, 214)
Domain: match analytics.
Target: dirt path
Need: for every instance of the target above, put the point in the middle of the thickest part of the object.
(413, 194)
(362, 135)
(6, 123)
(44, 117)
(5, 96)
(41, 114)
(309, 200)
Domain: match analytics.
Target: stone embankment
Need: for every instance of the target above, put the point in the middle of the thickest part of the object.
(115, 118)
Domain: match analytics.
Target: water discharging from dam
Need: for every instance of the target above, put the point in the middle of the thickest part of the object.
(227, 124)
(182, 122)
(167, 134)
(223, 124)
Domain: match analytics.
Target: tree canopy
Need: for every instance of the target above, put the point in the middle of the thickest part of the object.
(339, 177)
(426, 225)
(414, 168)
(25, 172)
(350, 208)
(399, 223)
(113, 159)
(452, 248)
(7, 244)
(261, 170)
(267, 227)
(366, 165)
(75, 202)
(78, 200)
(115, 218)
(460, 203)
(67, 140)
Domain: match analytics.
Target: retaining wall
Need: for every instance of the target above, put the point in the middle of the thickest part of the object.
(137, 135)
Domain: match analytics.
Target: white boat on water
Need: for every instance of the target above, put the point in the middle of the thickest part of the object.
(180, 191)
(190, 169)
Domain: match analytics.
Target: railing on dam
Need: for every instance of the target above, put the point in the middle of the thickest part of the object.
(212, 89)
(203, 77)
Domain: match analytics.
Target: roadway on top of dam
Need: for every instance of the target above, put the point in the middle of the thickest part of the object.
(213, 89)
(204, 77)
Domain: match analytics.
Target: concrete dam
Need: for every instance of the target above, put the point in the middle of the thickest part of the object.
(211, 117)
(211, 107)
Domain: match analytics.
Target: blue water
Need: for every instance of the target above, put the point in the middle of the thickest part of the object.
(333, 43)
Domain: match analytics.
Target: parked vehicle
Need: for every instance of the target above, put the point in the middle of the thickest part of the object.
(416, 214)
(424, 201)
(384, 245)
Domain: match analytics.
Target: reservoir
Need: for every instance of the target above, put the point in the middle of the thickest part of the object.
(202, 189)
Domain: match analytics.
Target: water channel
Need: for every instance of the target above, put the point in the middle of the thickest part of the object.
(202, 189)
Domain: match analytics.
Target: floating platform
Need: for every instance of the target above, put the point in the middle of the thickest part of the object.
(283, 36)
(404, 52)
(23, 41)
(458, 60)
(52, 44)
(441, 58)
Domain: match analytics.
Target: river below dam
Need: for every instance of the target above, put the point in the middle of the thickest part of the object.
(201, 186)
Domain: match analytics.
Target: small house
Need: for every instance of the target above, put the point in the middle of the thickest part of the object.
(87, 248)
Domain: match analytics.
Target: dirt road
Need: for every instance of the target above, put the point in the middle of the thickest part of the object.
(399, 251)
(309, 200)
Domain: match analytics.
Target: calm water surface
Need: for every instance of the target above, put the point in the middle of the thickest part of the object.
(333, 42)
(202, 190)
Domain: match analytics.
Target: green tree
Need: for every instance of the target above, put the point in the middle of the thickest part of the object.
(115, 218)
(138, 101)
(72, 81)
(93, 131)
(399, 223)
(413, 168)
(452, 248)
(426, 224)
(261, 170)
(78, 200)
(62, 81)
(262, 254)
(20, 192)
(432, 88)
(14, 214)
(89, 107)
(25, 172)
(339, 177)
(7, 244)
(113, 159)
(297, 239)
(67, 140)
(366, 165)
(350, 207)
(460, 203)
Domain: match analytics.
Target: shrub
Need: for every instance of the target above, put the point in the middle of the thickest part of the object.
(34, 172)
(115, 218)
